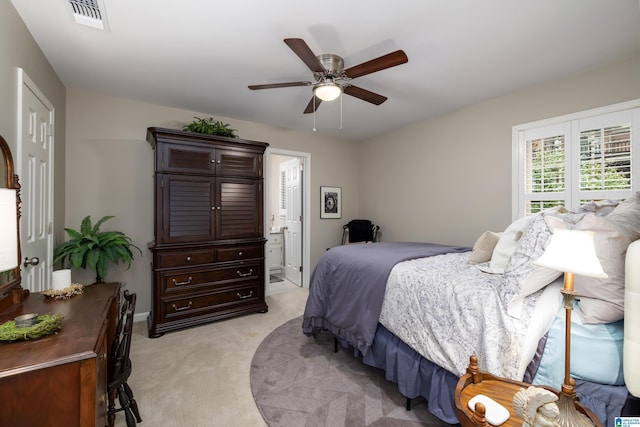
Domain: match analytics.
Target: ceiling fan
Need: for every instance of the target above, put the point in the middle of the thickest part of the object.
(331, 79)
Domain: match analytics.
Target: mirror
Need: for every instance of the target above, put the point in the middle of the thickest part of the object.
(10, 289)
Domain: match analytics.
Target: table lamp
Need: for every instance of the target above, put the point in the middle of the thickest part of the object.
(572, 252)
(8, 230)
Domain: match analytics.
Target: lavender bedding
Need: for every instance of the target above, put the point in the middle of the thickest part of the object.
(348, 285)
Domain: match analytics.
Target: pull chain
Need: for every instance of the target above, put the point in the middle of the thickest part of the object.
(314, 113)
(340, 128)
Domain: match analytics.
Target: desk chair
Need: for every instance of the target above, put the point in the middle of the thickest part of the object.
(120, 366)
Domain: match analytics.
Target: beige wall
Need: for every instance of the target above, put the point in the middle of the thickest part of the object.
(19, 50)
(110, 172)
(448, 179)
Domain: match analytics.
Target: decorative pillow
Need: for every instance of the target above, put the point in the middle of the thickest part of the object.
(627, 215)
(603, 343)
(521, 277)
(599, 207)
(602, 300)
(508, 242)
(483, 248)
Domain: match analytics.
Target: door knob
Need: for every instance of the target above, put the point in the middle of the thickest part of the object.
(31, 261)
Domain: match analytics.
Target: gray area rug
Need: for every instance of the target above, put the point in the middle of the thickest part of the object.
(299, 381)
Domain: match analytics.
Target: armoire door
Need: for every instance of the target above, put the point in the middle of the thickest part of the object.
(239, 210)
(188, 208)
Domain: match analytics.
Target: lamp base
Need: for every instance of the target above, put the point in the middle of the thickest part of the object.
(569, 415)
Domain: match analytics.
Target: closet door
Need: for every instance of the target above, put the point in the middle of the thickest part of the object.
(239, 208)
(187, 206)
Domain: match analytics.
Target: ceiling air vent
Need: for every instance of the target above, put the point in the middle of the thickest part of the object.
(90, 13)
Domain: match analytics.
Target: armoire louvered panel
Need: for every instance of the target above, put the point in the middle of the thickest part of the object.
(237, 163)
(181, 158)
(189, 214)
(240, 204)
(208, 254)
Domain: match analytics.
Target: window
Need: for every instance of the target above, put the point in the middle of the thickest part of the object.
(571, 160)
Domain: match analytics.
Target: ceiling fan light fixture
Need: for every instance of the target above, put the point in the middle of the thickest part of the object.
(327, 91)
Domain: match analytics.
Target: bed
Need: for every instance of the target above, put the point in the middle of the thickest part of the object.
(419, 310)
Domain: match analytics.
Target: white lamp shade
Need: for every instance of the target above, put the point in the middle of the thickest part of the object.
(572, 251)
(8, 230)
(327, 91)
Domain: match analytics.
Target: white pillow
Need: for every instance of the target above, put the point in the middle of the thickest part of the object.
(483, 248)
(508, 242)
(521, 277)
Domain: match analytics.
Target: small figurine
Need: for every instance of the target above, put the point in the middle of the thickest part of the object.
(537, 407)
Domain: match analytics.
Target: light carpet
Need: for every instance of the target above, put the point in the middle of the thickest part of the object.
(199, 377)
(300, 381)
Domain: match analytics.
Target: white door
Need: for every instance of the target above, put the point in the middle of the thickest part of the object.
(35, 159)
(293, 232)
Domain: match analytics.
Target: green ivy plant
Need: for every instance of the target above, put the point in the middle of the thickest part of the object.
(90, 248)
(209, 126)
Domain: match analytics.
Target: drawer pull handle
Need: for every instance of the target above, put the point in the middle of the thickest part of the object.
(186, 307)
(245, 274)
(188, 258)
(240, 253)
(245, 296)
(186, 282)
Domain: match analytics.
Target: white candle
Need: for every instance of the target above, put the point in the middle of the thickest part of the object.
(61, 279)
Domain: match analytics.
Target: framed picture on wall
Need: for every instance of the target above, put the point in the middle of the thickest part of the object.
(330, 202)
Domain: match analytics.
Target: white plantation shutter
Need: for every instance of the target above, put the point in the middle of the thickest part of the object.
(605, 156)
(545, 168)
(576, 159)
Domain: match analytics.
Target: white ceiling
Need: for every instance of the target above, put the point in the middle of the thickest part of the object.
(200, 55)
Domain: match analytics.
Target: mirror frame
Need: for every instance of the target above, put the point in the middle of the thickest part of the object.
(11, 292)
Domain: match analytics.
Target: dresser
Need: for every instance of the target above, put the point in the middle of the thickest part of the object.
(209, 247)
(60, 379)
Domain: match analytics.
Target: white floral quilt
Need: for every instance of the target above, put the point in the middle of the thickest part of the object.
(447, 309)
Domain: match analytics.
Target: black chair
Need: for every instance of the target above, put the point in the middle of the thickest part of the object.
(120, 366)
(359, 230)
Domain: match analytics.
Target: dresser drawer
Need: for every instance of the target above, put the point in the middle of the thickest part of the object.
(177, 281)
(185, 258)
(275, 238)
(218, 301)
(238, 253)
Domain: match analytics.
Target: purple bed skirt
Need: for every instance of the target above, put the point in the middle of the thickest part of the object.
(416, 376)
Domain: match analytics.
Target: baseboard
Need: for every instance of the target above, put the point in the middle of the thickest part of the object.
(140, 317)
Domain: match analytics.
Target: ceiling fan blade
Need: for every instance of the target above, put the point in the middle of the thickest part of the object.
(310, 106)
(386, 61)
(304, 52)
(276, 85)
(365, 95)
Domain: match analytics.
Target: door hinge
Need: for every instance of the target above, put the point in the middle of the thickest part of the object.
(300, 268)
(50, 130)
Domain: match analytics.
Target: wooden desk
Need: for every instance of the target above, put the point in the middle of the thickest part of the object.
(501, 390)
(60, 379)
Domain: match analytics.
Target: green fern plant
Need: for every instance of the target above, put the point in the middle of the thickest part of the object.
(90, 248)
(210, 126)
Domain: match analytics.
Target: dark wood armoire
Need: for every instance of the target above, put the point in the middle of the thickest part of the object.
(208, 252)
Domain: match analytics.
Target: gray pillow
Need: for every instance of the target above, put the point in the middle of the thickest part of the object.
(627, 215)
(602, 300)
